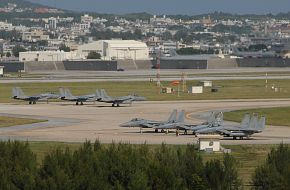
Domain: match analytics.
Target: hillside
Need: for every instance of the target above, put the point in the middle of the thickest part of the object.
(20, 3)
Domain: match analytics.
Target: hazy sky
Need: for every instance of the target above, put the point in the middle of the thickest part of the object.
(190, 7)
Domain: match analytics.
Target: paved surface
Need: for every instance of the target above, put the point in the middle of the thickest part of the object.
(70, 123)
(144, 75)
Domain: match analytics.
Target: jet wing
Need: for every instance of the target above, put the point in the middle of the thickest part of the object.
(32, 98)
(123, 99)
(148, 125)
(232, 133)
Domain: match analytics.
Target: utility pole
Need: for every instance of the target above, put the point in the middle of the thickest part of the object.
(183, 79)
(158, 55)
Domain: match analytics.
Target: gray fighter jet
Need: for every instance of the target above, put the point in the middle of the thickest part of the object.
(102, 96)
(144, 123)
(18, 94)
(249, 126)
(215, 119)
(65, 94)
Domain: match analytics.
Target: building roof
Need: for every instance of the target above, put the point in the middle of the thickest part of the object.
(125, 44)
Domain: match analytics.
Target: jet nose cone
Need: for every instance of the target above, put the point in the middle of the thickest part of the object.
(127, 124)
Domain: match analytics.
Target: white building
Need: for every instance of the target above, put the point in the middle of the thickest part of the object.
(209, 143)
(6, 26)
(1, 71)
(86, 19)
(34, 36)
(52, 23)
(47, 56)
(117, 49)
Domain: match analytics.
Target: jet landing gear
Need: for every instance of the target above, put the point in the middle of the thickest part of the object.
(32, 102)
(117, 105)
(79, 103)
(241, 138)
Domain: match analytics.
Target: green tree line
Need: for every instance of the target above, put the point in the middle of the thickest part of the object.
(114, 166)
(125, 166)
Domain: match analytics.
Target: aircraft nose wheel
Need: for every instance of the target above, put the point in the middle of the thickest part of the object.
(77, 103)
(30, 102)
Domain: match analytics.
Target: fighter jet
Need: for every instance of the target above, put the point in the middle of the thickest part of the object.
(102, 96)
(18, 94)
(215, 119)
(144, 123)
(248, 127)
(65, 94)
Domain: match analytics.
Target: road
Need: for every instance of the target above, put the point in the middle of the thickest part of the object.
(71, 123)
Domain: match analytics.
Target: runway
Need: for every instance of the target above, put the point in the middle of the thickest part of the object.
(145, 75)
(71, 123)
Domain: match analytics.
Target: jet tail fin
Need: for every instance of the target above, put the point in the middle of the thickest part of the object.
(181, 116)
(14, 92)
(262, 123)
(104, 93)
(172, 116)
(17, 92)
(218, 119)
(246, 120)
(98, 94)
(62, 92)
(253, 121)
(67, 92)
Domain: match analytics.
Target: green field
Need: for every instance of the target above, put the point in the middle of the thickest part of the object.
(275, 116)
(12, 121)
(248, 156)
(228, 89)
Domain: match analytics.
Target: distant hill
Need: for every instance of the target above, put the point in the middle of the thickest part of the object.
(21, 3)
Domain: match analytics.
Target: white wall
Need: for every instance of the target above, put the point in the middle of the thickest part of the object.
(206, 144)
(125, 53)
(47, 56)
(117, 49)
(1, 71)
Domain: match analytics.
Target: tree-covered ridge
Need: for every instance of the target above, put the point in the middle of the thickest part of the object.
(21, 3)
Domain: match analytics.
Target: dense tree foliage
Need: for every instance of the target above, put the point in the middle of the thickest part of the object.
(10, 35)
(192, 51)
(232, 29)
(109, 34)
(64, 48)
(17, 49)
(115, 166)
(258, 47)
(275, 172)
(94, 55)
(18, 169)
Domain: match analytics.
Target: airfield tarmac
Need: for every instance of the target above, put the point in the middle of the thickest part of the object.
(70, 123)
(145, 75)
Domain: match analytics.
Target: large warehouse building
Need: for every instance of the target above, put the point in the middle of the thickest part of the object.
(117, 49)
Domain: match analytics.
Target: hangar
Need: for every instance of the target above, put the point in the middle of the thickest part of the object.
(117, 49)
